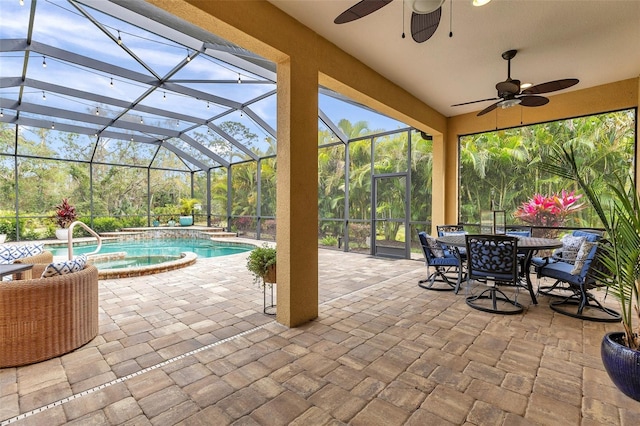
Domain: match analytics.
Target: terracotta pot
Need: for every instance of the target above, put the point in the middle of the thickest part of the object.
(622, 364)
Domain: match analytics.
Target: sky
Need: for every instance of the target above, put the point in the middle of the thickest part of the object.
(60, 25)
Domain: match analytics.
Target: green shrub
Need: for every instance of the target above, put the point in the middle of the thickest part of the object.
(106, 224)
(329, 240)
(30, 234)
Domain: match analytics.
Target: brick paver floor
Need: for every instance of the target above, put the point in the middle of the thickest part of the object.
(193, 347)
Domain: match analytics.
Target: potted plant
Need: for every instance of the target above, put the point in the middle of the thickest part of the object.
(262, 264)
(65, 216)
(187, 205)
(156, 221)
(620, 351)
(172, 221)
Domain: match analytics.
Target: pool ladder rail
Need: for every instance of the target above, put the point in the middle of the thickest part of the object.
(89, 230)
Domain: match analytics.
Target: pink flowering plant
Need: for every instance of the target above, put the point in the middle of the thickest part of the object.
(542, 210)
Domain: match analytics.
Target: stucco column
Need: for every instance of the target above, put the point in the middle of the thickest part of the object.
(441, 191)
(297, 193)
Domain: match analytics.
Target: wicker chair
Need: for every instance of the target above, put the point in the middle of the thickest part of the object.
(45, 257)
(43, 318)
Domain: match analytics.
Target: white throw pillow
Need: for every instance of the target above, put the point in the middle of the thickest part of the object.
(11, 252)
(435, 247)
(582, 256)
(570, 247)
(65, 267)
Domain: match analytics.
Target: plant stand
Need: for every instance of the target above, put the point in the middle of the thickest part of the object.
(269, 306)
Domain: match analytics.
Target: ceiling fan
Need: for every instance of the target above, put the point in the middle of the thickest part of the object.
(425, 15)
(510, 92)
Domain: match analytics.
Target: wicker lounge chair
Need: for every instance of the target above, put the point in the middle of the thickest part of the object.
(42, 318)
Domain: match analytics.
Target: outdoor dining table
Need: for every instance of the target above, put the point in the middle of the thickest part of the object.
(22, 269)
(528, 246)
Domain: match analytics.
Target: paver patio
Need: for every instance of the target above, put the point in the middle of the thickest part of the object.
(192, 347)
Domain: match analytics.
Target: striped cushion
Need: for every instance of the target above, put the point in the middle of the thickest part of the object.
(66, 267)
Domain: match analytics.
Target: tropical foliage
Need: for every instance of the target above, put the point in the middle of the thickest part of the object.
(621, 220)
(65, 214)
(552, 211)
(500, 166)
(504, 165)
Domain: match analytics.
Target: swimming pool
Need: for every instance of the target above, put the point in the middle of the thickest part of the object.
(130, 258)
(160, 247)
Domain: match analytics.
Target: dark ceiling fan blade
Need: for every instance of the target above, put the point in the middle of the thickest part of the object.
(424, 26)
(488, 109)
(533, 101)
(360, 9)
(551, 86)
(475, 102)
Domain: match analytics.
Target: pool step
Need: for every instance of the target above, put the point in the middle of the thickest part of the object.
(220, 234)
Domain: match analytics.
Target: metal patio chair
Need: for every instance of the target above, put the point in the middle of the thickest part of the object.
(493, 259)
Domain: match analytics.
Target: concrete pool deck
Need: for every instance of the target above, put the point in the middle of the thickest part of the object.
(192, 347)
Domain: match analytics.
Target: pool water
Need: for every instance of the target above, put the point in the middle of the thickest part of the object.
(159, 247)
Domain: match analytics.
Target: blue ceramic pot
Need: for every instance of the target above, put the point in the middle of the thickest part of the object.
(622, 364)
(185, 220)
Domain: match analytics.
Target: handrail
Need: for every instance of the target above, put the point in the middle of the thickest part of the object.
(89, 230)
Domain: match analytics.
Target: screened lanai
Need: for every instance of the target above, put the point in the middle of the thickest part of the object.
(125, 114)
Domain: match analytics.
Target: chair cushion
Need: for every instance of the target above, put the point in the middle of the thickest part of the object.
(561, 271)
(11, 252)
(65, 267)
(435, 246)
(445, 261)
(584, 256)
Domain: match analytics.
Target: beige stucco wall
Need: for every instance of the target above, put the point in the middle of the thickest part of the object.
(305, 60)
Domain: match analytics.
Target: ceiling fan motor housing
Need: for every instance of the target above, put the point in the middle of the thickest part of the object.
(508, 88)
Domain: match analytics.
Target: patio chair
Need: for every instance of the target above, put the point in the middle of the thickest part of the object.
(453, 229)
(519, 230)
(493, 259)
(579, 278)
(444, 230)
(568, 252)
(444, 264)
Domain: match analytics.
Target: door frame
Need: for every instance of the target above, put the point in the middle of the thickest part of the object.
(385, 251)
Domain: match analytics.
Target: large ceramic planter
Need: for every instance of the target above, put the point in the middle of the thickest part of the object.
(186, 220)
(62, 234)
(622, 364)
(3, 238)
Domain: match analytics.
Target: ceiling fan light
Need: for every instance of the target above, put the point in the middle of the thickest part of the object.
(524, 86)
(508, 103)
(480, 2)
(423, 7)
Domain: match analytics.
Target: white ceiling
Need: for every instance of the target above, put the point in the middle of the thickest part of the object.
(596, 41)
